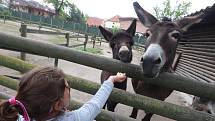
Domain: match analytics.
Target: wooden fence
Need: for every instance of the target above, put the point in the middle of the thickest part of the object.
(24, 30)
(50, 22)
(103, 116)
(151, 105)
(148, 104)
(134, 71)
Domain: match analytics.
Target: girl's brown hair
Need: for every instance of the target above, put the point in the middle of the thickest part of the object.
(38, 90)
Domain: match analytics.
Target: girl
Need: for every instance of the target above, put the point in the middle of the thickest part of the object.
(44, 94)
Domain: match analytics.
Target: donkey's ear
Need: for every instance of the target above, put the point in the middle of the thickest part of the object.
(132, 28)
(106, 34)
(186, 22)
(146, 18)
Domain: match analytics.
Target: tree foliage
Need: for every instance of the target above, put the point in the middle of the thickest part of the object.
(59, 5)
(67, 11)
(166, 10)
(75, 14)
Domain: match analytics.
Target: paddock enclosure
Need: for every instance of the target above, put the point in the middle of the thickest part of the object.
(194, 66)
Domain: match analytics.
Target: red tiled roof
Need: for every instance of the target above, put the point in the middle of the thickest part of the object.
(126, 21)
(124, 24)
(93, 21)
(33, 4)
(115, 19)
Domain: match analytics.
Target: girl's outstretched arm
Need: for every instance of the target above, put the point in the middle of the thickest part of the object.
(92, 108)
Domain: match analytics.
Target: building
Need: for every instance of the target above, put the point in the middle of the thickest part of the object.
(116, 22)
(94, 21)
(123, 23)
(126, 21)
(113, 22)
(33, 7)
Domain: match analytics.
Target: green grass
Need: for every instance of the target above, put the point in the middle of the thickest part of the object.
(57, 40)
(91, 50)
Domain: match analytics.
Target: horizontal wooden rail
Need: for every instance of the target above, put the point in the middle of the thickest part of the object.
(148, 104)
(134, 71)
(103, 116)
(44, 32)
(77, 36)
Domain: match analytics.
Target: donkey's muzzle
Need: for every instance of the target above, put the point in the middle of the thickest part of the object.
(125, 56)
(124, 53)
(151, 66)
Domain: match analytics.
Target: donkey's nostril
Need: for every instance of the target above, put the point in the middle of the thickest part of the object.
(124, 53)
(209, 112)
(157, 61)
(141, 60)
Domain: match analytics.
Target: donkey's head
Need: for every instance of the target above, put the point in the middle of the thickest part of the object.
(121, 42)
(204, 105)
(162, 38)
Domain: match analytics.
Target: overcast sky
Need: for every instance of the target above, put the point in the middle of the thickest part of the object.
(124, 8)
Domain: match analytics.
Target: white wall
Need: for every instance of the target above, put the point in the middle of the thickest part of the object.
(109, 24)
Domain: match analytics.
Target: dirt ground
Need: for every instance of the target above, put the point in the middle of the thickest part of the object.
(78, 70)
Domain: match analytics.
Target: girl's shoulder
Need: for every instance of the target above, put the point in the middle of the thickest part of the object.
(65, 116)
(20, 118)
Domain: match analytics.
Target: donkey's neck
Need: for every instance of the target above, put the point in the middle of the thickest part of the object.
(167, 67)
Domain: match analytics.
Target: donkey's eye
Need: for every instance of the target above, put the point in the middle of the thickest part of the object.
(146, 35)
(176, 35)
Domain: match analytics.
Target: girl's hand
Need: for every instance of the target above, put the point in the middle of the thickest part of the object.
(119, 77)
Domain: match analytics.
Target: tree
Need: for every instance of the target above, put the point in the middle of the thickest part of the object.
(9, 3)
(59, 5)
(75, 14)
(174, 13)
(115, 29)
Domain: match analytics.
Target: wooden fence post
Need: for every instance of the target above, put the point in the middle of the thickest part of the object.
(23, 31)
(73, 28)
(4, 18)
(62, 25)
(30, 18)
(56, 62)
(94, 41)
(67, 44)
(40, 22)
(78, 36)
(86, 28)
(51, 22)
(85, 42)
(21, 17)
(100, 42)
(67, 39)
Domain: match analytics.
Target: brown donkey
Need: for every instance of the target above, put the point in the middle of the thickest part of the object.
(121, 44)
(162, 38)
